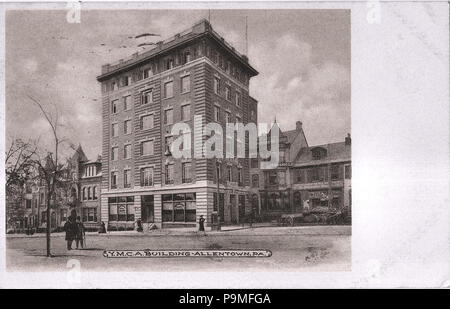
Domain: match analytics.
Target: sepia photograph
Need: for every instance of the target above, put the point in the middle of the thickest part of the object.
(231, 145)
(94, 111)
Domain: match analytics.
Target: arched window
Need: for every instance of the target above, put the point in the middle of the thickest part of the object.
(94, 193)
(84, 193)
(89, 193)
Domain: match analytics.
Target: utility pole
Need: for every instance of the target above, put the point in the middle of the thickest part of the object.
(219, 227)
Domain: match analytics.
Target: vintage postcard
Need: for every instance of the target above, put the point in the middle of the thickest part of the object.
(166, 139)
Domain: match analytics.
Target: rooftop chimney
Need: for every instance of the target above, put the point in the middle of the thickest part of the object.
(348, 139)
(298, 125)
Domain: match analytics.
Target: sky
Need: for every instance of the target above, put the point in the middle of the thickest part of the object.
(302, 56)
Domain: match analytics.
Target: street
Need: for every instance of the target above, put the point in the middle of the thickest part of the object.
(307, 248)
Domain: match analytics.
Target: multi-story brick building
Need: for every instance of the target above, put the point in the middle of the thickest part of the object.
(196, 72)
(319, 174)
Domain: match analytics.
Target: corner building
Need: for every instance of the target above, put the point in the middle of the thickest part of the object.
(196, 72)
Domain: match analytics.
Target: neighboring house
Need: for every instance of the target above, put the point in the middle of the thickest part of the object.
(319, 174)
(80, 175)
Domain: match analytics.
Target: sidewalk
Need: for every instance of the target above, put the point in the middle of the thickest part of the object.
(232, 230)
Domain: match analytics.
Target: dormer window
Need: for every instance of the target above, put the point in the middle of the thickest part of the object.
(169, 64)
(147, 73)
(187, 57)
(318, 153)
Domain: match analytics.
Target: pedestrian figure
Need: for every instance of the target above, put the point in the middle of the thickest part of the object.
(102, 228)
(80, 235)
(201, 224)
(70, 227)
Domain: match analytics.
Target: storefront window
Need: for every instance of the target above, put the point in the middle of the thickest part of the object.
(121, 208)
(180, 207)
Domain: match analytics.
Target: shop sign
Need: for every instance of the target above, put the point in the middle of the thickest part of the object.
(122, 210)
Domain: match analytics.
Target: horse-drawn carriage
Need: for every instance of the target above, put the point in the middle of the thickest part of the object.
(317, 215)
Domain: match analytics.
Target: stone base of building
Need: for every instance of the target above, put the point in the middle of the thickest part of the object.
(175, 207)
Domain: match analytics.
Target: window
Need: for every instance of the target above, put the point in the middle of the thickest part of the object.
(94, 193)
(169, 64)
(89, 214)
(121, 208)
(114, 106)
(237, 97)
(229, 174)
(114, 153)
(299, 176)
(179, 207)
(282, 156)
(28, 203)
(254, 162)
(148, 72)
(113, 86)
(147, 122)
(115, 129)
(63, 215)
(273, 179)
(127, 127)
(147, 96)
(168, 89)
(185, 84)
(252, 115)
(89, 193)
(216, 113)
(146, 176)
(186, 112)
(168, 142)
(113, 180)
(147, 148)
(255, 181)
(186, 172)
(126, 178)
(126, 102)
(335, 173)
(240, 178)
(126, 80)
(169, 173)
(228, 93)
(168, 116)
(348, 172)
(187, 57)
(127, 151)
(216, 85)
(318, 153)
(228, 117)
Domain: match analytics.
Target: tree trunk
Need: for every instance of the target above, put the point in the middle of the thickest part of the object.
(48, 225)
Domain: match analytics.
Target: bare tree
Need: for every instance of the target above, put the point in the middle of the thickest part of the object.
(18, 172)
(50, 170)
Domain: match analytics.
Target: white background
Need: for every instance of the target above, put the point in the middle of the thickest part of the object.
(400, 157)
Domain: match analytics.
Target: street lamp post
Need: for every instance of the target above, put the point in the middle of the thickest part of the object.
(218, 199)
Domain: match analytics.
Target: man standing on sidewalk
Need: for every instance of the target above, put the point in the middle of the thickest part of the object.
(201, 224)
(70, 227)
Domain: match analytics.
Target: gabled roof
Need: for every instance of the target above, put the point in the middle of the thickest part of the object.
(79, 154)
(336, 152)
(290, 135)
